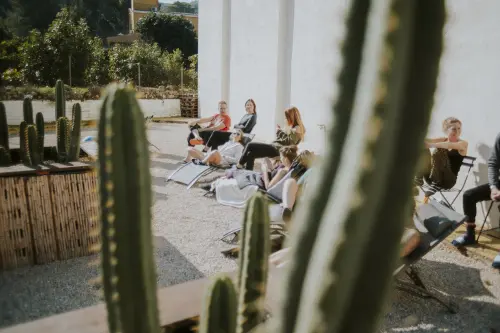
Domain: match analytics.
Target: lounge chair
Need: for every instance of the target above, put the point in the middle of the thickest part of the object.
(435, 222)
(189, 173)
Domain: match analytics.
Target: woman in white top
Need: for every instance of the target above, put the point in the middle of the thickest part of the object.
(225, 155)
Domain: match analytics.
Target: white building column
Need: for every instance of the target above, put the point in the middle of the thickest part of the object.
(226, 51)
(285, 51)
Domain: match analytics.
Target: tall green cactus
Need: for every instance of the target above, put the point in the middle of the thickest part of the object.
(62, 132)
(128, 265)
(32, 147)
(28, 110)
(219, 310)
(74, 148)
(40, 129)
(253, 264)
(5, 158)
(60, 100)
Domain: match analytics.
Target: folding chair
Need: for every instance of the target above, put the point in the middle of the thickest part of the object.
(468, 162)
(435, 222)
(147, 122)
(491, 229)
(189, 173)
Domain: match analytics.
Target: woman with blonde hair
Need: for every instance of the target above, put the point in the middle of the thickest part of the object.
(291, 135)
(441, 167)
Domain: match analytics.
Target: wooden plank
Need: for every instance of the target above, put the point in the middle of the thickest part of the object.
(44, 234)
(176, 303)
(15, 234)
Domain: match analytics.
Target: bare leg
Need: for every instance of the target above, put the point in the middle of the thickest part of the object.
(290, 189)
(213, 158)
(194, 153)
(196, 134)
(409, 242)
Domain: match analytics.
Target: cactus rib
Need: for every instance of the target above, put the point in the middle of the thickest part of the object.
(219, 311)
(128, 194)
(4, 127)
(23, 142)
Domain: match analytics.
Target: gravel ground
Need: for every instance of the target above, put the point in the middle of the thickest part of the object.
(187, 227)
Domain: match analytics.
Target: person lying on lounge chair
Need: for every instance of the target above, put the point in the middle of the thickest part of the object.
(443, 165)
(235, 189)
(225, 155)
(218, 122)
(214, 139)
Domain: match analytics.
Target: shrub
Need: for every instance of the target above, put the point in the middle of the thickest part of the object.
(173, 62)
(12, 77)
(191, 75)
(124, 60)
(97, 73)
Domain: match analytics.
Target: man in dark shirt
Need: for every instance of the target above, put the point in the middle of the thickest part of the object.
(490, 191)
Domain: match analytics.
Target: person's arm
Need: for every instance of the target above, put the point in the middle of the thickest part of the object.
(279, 175)
(460, 146)
(216, 127)
(200, 121)
(435, 140)
(494, 165)
(248, 125)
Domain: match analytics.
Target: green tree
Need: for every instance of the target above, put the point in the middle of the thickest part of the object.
(180, 7)
(46, 58)
(171, 32)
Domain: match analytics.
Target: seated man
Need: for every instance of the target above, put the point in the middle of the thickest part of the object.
(218, 122)
(481, 193)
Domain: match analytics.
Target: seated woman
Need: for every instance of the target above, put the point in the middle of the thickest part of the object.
(442, 166)
(237, 188)
(218, 122)
(291, 135)
(213, 139)
(225, 155)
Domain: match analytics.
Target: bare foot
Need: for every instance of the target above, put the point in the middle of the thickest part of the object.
(409, 242)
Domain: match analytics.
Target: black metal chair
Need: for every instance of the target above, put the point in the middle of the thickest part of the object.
(482, 227)
(430, 189)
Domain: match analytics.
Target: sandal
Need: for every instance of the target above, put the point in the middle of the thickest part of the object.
(196, 142)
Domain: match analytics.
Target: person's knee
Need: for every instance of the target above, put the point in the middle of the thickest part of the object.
(468, 196)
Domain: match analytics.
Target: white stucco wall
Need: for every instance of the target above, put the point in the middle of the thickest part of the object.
(468, 86)
(254, 41)
(210, 50)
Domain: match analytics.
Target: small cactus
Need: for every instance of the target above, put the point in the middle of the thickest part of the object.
(60, 100)
(40, 129)
(219, 310)
(32, 147)
(74, 148)
(128, 265)
(28, 110)
(62, 132)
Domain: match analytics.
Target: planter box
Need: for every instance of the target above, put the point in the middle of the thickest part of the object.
(48, 213)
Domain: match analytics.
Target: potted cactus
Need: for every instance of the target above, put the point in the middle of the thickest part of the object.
(24, 172)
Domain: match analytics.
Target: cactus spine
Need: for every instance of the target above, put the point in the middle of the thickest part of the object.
(40, 129)
(128, 265)
(62, 132)
(28, 110)
(60, 100)
(5, 158)
(219, 310)
(74, 148)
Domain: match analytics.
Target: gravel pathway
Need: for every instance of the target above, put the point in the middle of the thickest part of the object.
(187, 227)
